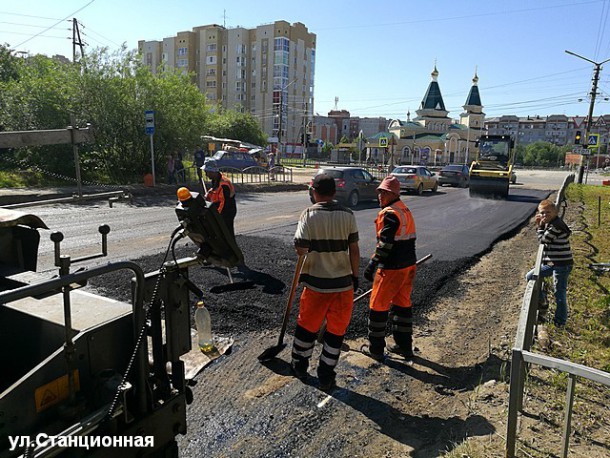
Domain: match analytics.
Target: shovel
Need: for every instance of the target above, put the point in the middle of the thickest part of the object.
(272, 352)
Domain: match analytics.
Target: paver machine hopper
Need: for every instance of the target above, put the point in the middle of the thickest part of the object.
(490, 173)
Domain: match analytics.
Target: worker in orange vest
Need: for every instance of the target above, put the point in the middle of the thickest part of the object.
(392, 271)
(221, 193)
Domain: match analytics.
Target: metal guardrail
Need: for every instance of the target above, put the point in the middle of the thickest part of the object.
(250, 175)
(521, 356)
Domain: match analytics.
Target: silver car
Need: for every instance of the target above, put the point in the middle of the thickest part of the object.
(415, 178)
(354, 184)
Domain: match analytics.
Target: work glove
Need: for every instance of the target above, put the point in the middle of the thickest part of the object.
(371, 269)
(355, 282)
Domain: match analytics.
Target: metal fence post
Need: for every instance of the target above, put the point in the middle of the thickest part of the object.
(516, 388)
(567, 424)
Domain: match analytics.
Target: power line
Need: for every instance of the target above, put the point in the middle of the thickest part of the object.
(57, 23)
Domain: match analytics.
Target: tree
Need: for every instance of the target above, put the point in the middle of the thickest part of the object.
(542, 154)
(9, 64)
(238, 126)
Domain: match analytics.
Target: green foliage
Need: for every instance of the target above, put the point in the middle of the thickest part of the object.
(111, 92)
(236, 125)
(344, 139)
(543, 154)
(9, 64)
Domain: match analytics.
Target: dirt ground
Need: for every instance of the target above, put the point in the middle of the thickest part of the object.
(455, 390)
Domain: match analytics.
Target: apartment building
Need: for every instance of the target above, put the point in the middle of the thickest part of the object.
(557, 129)
(267, 71)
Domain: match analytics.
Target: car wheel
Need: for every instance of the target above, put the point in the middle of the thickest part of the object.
(353, 199)
(435, 187)
(420, 190)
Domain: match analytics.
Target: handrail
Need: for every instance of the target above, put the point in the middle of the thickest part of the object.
(521, 355)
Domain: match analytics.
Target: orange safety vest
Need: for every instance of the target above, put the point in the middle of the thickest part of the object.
(406, 229)
(216, 195)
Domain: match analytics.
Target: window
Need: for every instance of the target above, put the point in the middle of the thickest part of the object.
(182, 63)
(182, 51)
(210, 84)
(211, 47)
(210, 60)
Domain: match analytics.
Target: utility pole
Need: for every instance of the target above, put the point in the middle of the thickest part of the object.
(305, 135)
(76, 41)
(598, 66)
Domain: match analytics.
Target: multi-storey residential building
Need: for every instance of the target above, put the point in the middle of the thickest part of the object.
(267, 71)
(558, 129)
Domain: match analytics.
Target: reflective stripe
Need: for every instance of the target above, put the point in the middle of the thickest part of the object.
(406, 228)
(303, 344)
(408, 329)
(302, 353)
(328, 361)
(332, 350)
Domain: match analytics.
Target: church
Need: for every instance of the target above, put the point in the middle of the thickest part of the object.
(432, 137)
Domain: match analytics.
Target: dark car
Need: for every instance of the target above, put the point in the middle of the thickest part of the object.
(234, 159)
(455, 175)
(354, 184)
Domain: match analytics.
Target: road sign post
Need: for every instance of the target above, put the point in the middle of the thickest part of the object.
(149, 122)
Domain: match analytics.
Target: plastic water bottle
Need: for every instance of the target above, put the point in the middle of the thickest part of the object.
(203, 323)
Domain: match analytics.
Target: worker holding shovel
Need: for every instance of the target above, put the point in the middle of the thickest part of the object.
(328, 235)
(392, 271)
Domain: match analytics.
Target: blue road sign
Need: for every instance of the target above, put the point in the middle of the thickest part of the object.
(149, 117)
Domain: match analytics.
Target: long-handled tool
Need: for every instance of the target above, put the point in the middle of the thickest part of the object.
(272, 352)
(320, 338)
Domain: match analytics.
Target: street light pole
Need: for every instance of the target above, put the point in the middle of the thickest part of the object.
(598, 66)
(281, 113)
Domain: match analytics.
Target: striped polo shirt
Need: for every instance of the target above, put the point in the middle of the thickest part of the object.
(326, 229)
(555, 238)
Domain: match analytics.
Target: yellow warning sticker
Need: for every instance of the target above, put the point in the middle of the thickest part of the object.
(54, 391)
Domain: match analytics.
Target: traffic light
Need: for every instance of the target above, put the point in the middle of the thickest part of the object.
(577, 138)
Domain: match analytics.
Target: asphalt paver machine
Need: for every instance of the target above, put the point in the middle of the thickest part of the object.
(85, 375)
(490, 173)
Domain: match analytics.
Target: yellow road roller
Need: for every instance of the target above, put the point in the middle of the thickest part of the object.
(491, 172)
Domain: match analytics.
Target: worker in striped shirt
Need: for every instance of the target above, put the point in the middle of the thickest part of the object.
(557, 259)
(328, 234)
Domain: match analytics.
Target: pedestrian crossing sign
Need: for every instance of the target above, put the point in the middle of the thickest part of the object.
(383, 142)
(593, 140)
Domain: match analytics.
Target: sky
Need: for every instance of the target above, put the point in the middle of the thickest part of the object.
(376, 57)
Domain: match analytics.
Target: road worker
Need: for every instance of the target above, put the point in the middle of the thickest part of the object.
(392, 270)
(221, 193)
(328, 234)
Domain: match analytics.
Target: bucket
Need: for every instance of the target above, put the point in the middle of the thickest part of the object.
(148, 180)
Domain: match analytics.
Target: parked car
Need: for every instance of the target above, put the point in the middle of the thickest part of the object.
(415, 178)
(354, 184)
(455, 175)
(234, 159)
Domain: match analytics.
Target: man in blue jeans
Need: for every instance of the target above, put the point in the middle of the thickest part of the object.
(557, 259)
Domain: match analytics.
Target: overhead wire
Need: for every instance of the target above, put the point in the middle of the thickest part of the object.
(54, 25)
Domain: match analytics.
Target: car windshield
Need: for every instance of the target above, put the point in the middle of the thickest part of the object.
(453, 168)
(332, 173)
(405, 170)
(218, 155)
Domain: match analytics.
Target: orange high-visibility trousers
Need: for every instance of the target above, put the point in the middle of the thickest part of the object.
(335, 307)
(392, 287)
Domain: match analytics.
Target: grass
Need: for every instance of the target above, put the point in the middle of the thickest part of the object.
(586, 338)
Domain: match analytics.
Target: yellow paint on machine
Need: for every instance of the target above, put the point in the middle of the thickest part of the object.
(55, 391)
